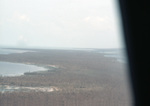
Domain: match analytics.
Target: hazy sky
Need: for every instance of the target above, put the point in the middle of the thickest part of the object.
(59, 23)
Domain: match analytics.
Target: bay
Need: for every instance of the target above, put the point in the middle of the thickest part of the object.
(15, 69)
(9, 51)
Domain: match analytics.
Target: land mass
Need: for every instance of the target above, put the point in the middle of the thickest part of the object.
(82, 78)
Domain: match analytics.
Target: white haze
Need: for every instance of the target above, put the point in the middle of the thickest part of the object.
(60, 23)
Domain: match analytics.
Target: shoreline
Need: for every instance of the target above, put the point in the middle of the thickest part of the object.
(80, 75)
(48, 66)
(44, 68)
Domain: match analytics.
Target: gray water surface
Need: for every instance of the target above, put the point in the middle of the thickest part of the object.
(10, 51)
(119, 54)
(14, 69)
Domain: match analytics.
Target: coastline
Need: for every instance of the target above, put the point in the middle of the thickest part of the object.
(78, 74)
(23, 67)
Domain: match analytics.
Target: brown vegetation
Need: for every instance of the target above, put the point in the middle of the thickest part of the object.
(85, 79)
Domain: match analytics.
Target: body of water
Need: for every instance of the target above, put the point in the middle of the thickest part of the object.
(9, 69)
(13, 69)
(9, 51)
(119, 54)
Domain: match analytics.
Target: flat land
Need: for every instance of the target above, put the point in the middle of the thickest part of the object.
(79, 78)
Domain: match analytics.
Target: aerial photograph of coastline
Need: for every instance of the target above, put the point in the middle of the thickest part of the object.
(62, 53)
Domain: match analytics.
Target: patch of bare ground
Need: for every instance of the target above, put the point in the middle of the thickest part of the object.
(8, 88)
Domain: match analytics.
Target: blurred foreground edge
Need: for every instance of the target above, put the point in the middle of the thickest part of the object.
(136, 27)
